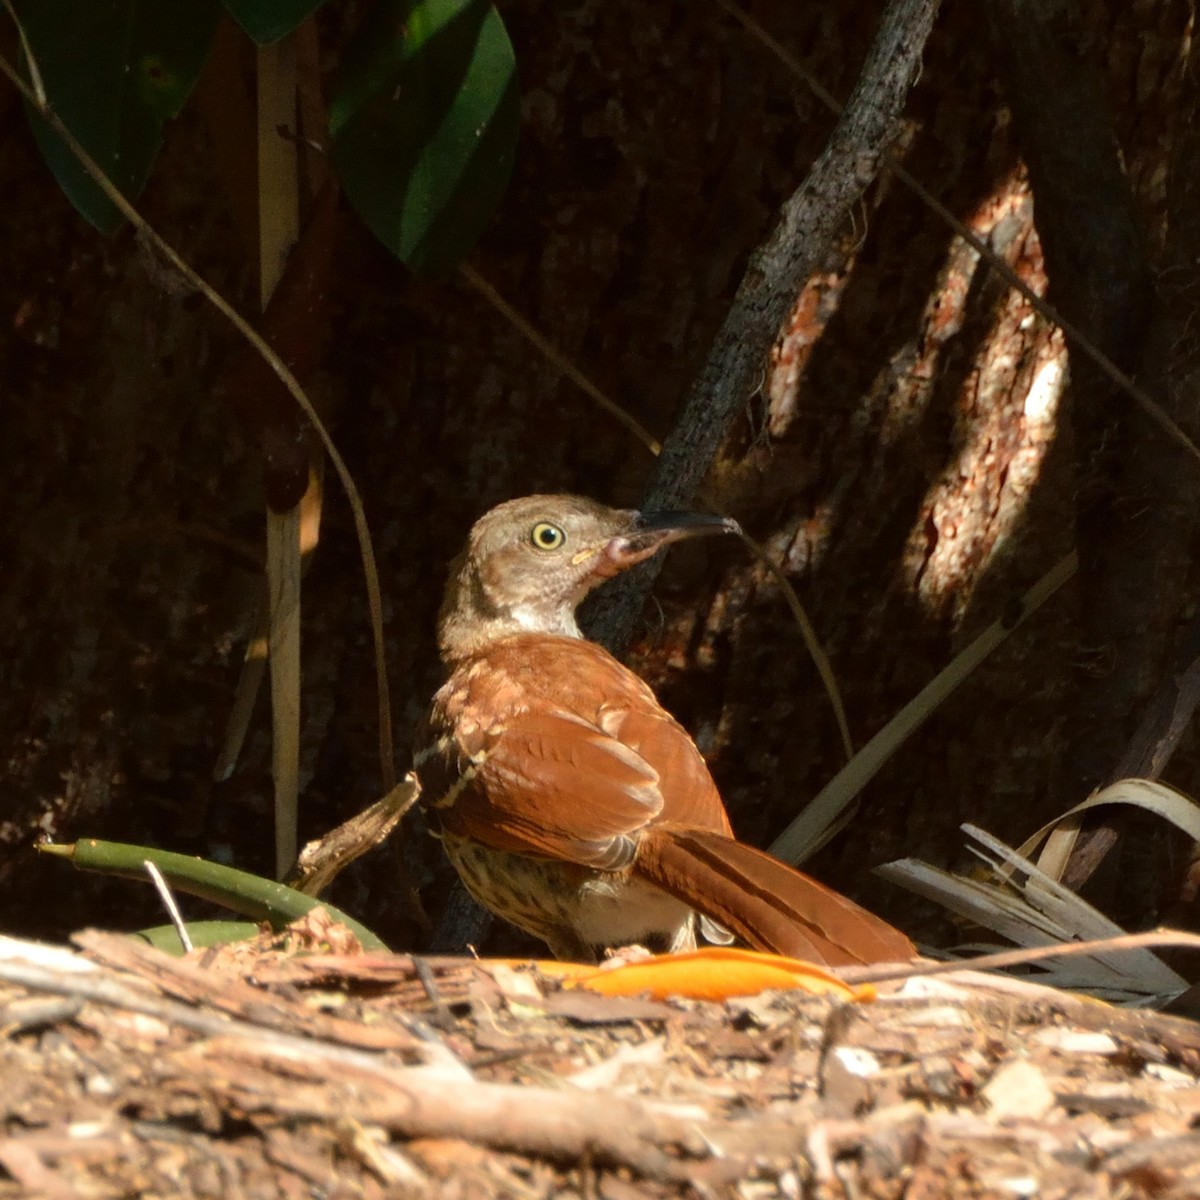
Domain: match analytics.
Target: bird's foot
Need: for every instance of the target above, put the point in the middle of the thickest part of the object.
(622, 956)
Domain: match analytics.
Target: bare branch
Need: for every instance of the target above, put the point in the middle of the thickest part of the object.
(807, 225)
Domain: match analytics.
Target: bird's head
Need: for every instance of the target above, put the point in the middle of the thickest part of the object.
(529, 562)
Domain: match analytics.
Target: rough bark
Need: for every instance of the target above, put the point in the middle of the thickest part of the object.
(778, 269)
(1136, 492)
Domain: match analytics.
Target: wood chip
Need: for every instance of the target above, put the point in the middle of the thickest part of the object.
(260, 1072)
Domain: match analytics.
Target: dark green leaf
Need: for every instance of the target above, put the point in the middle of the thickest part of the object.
(424, 125)
(114, 71)
(266, 21)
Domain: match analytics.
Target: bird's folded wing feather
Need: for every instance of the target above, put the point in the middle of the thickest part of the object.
(576, 758)
(550, 783)
(583, 679)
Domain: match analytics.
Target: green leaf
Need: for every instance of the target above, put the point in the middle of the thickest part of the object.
(266, 21)
(424, 126)
(202, 934)
(114, 71)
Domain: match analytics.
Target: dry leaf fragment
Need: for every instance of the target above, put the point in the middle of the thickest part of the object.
(1018, 1089)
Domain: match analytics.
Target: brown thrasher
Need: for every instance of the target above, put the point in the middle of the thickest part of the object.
(571, 803)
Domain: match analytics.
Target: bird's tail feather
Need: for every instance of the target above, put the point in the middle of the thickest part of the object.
(763, 901)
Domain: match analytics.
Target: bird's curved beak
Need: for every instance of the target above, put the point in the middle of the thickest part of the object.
(650, 532)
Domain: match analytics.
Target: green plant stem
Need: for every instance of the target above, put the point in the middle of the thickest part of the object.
(250, 895)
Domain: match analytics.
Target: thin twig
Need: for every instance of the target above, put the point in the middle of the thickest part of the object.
(443, 1018)
(289, 381)
(1155, 938)
(554, 355)
(168, 898)
(1077, 337)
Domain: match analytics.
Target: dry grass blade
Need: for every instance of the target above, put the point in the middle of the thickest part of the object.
(808, 830)
(1043, 914)
(1148, 794)
(811, 641)
(254, 662)
(278, 232)
(280, 369)
(1071, 912)
(283, 588)
(237, 723)
(278, 163)
(35, 74)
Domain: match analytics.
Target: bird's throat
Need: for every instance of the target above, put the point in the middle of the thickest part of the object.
(471, 620)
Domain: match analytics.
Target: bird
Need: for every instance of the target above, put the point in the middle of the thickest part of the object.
(571, 803)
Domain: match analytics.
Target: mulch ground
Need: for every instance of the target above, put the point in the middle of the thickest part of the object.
(299, 1067)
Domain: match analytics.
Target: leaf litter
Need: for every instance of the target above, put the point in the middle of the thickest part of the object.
(295, 1065)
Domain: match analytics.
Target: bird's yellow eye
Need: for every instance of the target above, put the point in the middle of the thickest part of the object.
(546, 536)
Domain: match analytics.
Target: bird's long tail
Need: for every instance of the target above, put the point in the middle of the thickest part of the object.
(763, 901)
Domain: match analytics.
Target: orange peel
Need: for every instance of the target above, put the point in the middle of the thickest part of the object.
(713, 973)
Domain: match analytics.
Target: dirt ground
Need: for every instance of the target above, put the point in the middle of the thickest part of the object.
(299, 1067)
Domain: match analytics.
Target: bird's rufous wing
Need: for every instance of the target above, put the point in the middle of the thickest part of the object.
(576, 759)
(549, 783)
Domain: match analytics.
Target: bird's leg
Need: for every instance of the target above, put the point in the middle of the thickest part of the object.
(567, 946)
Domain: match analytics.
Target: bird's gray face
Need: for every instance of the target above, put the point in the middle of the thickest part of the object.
(538, 557)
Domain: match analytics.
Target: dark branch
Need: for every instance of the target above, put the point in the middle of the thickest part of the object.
(808, 223)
